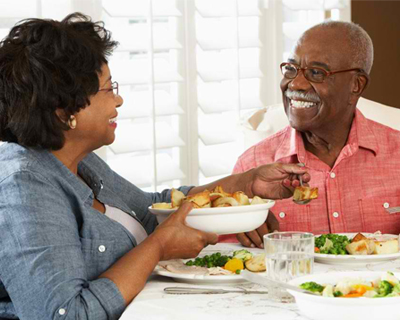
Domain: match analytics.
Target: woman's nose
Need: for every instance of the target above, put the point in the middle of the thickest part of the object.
(120, 100)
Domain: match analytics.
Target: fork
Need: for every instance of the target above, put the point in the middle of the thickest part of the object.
(393, 210)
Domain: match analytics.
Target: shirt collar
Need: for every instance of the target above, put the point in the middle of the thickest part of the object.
(360, 136)
(82, 190)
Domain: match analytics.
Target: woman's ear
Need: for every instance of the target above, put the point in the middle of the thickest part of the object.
(61, 115)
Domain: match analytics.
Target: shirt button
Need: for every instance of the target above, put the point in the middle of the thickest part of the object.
(333, 175)
(386, 205)
(282, 214)
(335, 214)
(102, 248)
(61, 312)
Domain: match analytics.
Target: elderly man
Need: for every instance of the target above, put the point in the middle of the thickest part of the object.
(354, 161)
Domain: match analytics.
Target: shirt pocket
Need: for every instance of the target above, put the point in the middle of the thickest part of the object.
(98, 255)
(380, 214)
(293, 217)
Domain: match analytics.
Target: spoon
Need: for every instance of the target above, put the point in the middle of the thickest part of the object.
(301, 184)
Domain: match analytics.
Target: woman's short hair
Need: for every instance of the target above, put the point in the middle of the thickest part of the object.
(47, 65)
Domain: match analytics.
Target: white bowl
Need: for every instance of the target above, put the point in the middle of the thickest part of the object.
(318, 307)
(223, 220)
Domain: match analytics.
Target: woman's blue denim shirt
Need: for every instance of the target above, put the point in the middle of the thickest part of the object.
(54, 245)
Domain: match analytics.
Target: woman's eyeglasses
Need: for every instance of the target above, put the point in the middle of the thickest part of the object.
(314, 74)
(114, 88)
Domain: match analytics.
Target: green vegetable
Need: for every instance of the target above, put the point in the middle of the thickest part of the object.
(238, 271)
(332, 243)
(312, 286)
(385, 288)
(209, 261)
(337, 294)
(242, 254)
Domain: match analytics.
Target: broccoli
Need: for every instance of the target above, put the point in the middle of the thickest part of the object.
(337, 294)
(385, 288)
(242, 255)
(312, 286)
(332, 243)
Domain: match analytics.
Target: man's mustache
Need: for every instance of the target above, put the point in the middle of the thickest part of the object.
(312, 97)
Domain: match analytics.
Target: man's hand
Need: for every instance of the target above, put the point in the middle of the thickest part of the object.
(255, 238)
(274, 181)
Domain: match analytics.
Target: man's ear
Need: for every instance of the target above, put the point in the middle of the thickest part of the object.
(359, 84)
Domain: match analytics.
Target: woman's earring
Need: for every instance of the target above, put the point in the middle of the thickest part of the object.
(72, 122)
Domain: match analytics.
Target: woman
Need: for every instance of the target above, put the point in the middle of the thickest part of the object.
(77, 239)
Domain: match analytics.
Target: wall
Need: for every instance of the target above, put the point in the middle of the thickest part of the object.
(382, 22)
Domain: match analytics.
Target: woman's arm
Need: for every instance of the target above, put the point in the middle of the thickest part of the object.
(45, 262)
(172, 239)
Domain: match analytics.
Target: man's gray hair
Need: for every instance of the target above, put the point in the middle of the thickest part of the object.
(362, 49)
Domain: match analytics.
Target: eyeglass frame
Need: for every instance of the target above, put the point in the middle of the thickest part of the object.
(328, 73)
(114, 86)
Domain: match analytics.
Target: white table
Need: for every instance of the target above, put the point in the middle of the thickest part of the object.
(152, 303)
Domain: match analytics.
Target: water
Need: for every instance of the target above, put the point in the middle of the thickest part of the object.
(288, 265)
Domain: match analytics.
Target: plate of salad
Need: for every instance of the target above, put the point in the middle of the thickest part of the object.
(337, 249)
(213, 268)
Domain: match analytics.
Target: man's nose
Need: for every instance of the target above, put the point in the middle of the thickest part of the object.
(299, 82)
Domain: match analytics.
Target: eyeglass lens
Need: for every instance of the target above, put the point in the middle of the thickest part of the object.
(290, 71)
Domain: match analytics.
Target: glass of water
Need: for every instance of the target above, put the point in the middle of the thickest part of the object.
(287, 255)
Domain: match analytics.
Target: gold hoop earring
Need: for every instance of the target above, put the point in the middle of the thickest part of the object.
(72, 122)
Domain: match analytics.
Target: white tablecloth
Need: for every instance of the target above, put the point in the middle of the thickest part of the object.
(152, 303)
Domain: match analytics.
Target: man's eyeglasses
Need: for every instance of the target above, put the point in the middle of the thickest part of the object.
(114, 88)
(314, 74)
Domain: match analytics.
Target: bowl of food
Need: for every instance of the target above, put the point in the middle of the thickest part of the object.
(353, 295)
(217, 211)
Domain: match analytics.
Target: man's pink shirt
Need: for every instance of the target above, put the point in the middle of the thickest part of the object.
(353, 196)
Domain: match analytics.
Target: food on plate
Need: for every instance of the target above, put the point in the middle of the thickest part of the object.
(217, 264)
(199, 200)
(206, 199)
(302, 193)
(176, 198)
(387, 246)
(162, 205)
(361, 245)
(243, 255)
(358, 245)
(386, 286)
(331, 244)
(256, 264)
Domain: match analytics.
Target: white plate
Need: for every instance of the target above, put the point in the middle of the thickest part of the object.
(355, 259)
(201, 279)
(229, 279)
(318, 307)
(223, 220)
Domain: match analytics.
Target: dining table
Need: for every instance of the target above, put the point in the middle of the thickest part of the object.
(153, 303)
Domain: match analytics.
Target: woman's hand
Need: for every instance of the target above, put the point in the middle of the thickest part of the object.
(274, 181)
(179, 241)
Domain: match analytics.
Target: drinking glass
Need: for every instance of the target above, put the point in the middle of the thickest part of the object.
(287, 255)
